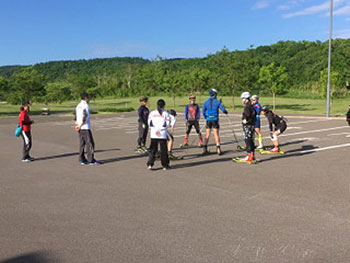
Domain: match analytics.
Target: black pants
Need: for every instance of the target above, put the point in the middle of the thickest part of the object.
(164, 158)
(248, 133)
(143, 132)
(27, 143)
(86, 141)
(189, 125)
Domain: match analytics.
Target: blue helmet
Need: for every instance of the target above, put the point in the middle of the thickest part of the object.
(213, 92)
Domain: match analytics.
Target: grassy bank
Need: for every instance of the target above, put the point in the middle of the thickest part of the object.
(284, 105)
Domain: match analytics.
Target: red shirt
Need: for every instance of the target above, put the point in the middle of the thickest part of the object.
(24, 121)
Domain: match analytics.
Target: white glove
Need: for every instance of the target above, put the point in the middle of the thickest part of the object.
(244, 121)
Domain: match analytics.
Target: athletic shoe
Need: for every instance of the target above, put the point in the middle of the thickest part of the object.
(275, 150)
(171, 156)
(200, 144)
(149, 167)
(166, 168)
(27, 160)
(95, 163)
(218, 151)
(83, 163)
(260, 147)
(31, 158)
(144, 149)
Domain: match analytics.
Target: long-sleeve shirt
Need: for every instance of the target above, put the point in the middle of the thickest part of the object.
(258, 110)
(273, 119)
(82, 113)
(211, 109)
(24, 121)
(192, 112)
(249, 114)
(159, 124)
(143, 113)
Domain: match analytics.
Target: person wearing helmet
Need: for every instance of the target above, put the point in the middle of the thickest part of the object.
(211, 114)
(248, 126)
(143, 113)
(277, 126)
(159, 121)
(192, 115)
(255, 102)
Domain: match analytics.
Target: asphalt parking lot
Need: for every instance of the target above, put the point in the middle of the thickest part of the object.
(288, 208)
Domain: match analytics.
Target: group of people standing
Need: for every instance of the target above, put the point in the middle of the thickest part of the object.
(161, 124)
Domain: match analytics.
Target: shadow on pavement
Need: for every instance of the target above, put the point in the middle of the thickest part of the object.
(292, 153)
(125, 158)
(33, 257)
(192, 164)
(70, 154)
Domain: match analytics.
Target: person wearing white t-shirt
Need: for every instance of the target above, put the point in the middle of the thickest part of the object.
(82, 126)
(159, 121)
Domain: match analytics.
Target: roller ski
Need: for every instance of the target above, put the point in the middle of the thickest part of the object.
(275, 150)
(185, 143)
(174, 158)
(239, 147)
(205, 150)
(141, 150)
(249, 159)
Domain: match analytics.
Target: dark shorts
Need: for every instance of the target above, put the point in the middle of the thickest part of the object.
(190, 124)
(213, 124)
(281, 127)
(170, 137)
(257, 124)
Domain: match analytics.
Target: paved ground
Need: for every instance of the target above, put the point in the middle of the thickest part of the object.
(290, 208)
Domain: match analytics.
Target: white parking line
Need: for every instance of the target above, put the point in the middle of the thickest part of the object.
(326, 148)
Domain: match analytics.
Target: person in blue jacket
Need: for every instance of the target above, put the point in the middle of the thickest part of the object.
(255, 101)
(211, 114)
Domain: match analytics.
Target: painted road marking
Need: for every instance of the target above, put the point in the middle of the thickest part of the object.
(326, 148)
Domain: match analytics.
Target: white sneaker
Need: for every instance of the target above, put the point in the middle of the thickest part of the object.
(260, 147)
(149, 167)
(26, 160)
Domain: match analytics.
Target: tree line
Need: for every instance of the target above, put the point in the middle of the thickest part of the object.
(286, 68)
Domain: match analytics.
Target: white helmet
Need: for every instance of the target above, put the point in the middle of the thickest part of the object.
(245, 95)
(255, 97)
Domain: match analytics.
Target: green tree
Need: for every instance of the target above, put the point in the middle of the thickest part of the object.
(335, 84)
(83, 82)
(4, 87)
(273, 79)
(57, 92)
(27, 85)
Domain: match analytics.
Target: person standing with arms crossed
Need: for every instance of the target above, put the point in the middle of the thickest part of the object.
(211, 114)
(82, 126)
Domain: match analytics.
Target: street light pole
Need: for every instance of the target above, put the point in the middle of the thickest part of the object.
(328, 106)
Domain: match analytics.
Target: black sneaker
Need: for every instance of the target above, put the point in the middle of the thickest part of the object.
(27, 160)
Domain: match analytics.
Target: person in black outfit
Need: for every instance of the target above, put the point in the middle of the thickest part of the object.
(248, 123)
(348, 115)
(143, 113)
(277, 126)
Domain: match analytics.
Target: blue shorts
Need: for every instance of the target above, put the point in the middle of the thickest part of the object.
(257, 124)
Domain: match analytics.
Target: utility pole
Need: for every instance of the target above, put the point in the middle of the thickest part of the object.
(328, 106)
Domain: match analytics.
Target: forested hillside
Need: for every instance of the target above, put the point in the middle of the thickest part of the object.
(286, 68)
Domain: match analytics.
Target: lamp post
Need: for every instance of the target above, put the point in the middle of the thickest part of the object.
(328, 106)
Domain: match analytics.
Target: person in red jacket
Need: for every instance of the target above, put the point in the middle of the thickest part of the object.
(25, 122)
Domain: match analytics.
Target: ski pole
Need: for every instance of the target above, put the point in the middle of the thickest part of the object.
(200, 131)
(233, 130)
